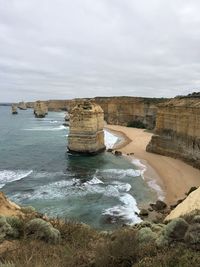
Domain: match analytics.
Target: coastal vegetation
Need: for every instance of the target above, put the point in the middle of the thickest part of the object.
(40, 242)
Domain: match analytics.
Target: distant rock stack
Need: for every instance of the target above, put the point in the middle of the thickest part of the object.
(40, 109)
(66, 123)
(86, 133)
(22, 106)
(14, 110)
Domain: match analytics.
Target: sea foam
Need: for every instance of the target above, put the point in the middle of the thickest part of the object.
(7, 176)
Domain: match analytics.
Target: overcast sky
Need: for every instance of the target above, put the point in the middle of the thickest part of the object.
(59, 49)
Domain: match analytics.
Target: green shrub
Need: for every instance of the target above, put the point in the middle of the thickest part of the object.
(42, 230)
(6, 230)
(146, 235)
(27, 209)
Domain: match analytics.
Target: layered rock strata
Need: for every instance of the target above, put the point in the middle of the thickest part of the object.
(178, 130)
(86, 128)
(40, 109)
(14, 110)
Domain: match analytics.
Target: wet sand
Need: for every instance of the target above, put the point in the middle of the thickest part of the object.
(173, 175)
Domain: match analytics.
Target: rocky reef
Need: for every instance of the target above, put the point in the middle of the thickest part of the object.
(178, 130)
(14, 110)
(40, 109)
(86, 128)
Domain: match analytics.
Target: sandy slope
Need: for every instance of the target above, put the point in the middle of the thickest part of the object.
(173, 175)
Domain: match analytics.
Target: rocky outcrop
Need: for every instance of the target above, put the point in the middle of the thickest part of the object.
(14, 110)
(178, 130)
(8, 208)
(190, 205)
(86, 128)
(40, 109)
(22, 106)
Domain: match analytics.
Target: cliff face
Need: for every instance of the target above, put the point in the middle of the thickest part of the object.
(178, 130)
(86, 128)
(117, 110)
(129, 110)
(22, 106)
(40, 109)
(14, 110)
(189, 205)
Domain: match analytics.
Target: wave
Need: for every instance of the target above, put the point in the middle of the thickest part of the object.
(94, 181)
(141, 166)
(123, 173)
(160, 193)
(7, 176)
(61, 127)
(125, 211)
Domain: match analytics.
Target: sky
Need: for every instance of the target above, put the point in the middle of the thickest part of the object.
(62, 49)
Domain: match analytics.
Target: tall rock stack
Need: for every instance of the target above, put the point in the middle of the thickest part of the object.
(40, 109)
(14, 110)
(22, 106)
(178, 130)
(86, 133)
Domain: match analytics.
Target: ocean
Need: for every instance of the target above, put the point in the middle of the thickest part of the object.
(104, 191)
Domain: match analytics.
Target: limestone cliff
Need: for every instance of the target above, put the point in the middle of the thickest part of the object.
(22, 106)
(178, 130)
(40, 109)
(117, 110)
(86, 128)
(129, 110)
(189, 205)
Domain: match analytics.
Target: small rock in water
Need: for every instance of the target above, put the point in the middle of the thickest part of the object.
(110, 150)
(118, 153)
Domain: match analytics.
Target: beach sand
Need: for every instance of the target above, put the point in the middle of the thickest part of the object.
(173, 175)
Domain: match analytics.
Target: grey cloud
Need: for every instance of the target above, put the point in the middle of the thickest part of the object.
(65, 49)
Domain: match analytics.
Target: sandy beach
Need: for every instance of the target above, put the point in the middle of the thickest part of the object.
(172, 175)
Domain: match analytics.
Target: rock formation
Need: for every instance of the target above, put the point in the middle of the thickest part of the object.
(178, 130)
(14, 110)
(8, 208)
(40, 109)
(22, 106)
(86, 128)
(189, 205)
(117, 110)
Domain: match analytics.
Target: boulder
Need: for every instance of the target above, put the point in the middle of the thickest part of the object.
(118, 153)
(159, 205)
(144, 213)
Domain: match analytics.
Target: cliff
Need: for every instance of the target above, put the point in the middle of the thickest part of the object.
(178, 130)
(86, 128)
(127, 111)
(8, 208)
(40, 109)
(190, 205)
(117, 110)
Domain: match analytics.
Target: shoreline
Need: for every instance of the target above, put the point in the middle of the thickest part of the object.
(173, 176)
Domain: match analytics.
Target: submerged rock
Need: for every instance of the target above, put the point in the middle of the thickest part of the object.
(86, 133)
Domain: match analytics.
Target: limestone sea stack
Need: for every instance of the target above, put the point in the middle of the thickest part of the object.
(86, 133)
(14, 110)
(22, 106)
(40, 109)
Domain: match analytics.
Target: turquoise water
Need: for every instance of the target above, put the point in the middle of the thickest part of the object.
(35, 169)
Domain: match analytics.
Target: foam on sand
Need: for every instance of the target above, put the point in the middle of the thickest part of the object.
(110, 139)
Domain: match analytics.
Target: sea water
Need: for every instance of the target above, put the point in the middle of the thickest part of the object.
(35, 169)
